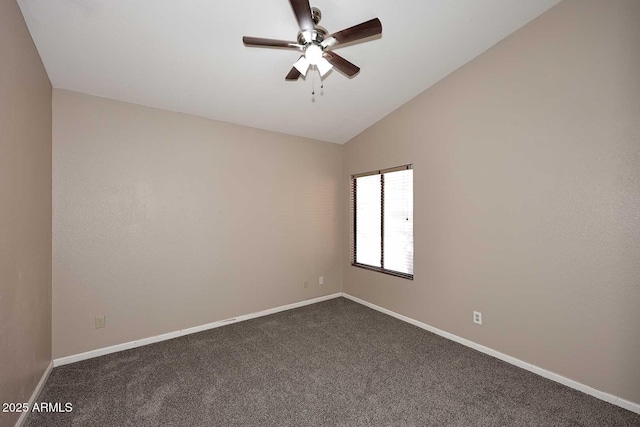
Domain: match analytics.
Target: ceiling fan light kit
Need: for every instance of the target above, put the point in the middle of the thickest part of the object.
(316, 43)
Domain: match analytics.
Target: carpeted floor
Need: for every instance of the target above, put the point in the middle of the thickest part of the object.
(332, 363)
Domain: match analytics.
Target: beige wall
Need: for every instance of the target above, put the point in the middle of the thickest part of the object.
(25, 212)
(163, 221)
(527, 196)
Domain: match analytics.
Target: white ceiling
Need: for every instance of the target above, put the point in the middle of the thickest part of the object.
(188, 56)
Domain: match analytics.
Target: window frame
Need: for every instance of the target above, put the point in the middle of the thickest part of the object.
(354, 222)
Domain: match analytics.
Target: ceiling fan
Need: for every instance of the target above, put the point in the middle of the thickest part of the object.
(316, 43)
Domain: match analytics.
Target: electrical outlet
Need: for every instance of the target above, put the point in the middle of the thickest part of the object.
(100, 322)
(321, 280)
(477, 317)
(305, 284)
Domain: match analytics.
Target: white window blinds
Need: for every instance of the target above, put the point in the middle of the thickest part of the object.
(382, 221)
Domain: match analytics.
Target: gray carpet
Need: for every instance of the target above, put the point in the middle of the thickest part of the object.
(332, 363)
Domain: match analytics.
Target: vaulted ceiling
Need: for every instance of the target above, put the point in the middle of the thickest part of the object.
(188, 55)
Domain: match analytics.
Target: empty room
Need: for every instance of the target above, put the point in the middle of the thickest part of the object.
(340, 213)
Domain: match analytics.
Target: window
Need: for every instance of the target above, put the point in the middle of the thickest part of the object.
(382, 221)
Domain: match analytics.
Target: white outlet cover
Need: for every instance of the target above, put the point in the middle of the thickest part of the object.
(321, 280)
(477, 317)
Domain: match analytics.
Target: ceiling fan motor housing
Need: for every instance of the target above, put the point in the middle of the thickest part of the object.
(319, 33)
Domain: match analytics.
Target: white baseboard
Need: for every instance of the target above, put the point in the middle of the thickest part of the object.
(631, 406)
(35, 394)
(170, 335)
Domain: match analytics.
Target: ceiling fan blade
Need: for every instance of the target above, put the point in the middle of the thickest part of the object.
(357, 32)
(302, 10)
(341, 64)
(260, 42)
(294, 74)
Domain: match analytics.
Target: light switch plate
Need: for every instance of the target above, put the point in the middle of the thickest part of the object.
(100, 322)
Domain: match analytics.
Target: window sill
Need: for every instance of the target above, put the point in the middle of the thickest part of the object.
(383, 270)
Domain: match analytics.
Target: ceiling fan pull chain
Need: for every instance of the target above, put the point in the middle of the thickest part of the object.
(313, 84)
